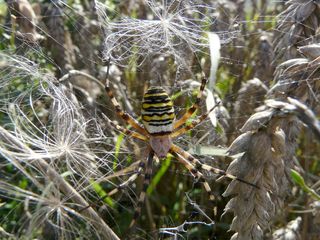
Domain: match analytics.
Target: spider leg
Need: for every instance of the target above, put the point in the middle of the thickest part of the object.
(194, 106)
(194, 171)
(200, 165)
(146, 182)
(131, 179)
(139, 169)
(179, 131)
(125, 131)
(121, 113)
(123, 185)
(125, 116)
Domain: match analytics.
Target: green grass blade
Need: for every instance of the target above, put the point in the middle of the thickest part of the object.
(156, 179)
(298, 179)
(99, 190)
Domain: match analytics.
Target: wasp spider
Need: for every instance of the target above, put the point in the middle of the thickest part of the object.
(158, 130)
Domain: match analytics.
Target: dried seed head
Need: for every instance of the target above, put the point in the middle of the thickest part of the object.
(26, 19)
(170, 29)
(297, 26)
(289, 232)
(263, 146)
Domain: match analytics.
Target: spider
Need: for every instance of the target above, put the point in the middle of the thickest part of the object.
(158, 130)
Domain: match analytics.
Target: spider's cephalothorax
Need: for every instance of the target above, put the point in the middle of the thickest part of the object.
(158, 116)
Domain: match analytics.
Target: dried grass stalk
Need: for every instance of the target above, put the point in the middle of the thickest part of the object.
(297, 26)
(26, 18)
(250, 96)
(59, 42)
(265, 69)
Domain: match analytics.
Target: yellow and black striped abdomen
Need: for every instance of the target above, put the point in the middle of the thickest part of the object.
(157, 111)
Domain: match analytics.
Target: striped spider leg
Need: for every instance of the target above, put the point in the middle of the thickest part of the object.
(158, 130)
(121, 113)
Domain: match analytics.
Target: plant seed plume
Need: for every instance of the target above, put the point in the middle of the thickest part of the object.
(46, 139)
(63, 134)
(173, 28)
(50, 209)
